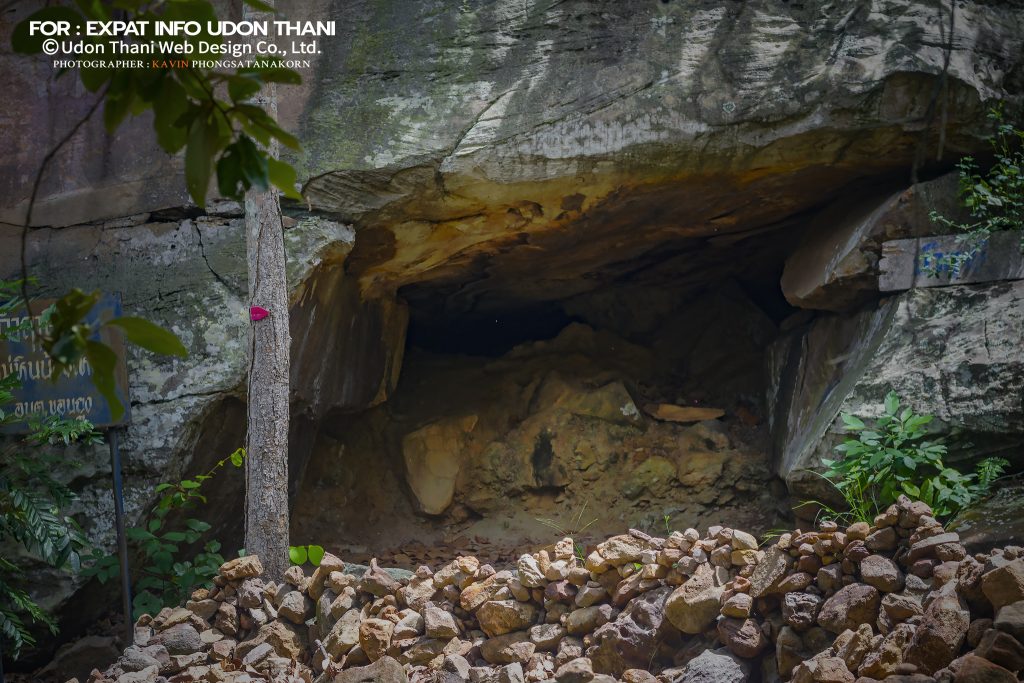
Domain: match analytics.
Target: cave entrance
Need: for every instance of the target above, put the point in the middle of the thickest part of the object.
(631, 397)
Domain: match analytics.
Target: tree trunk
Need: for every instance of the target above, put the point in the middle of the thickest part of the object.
(266, 465)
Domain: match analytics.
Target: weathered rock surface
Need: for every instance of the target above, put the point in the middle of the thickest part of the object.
(480, 145)
(952, 352)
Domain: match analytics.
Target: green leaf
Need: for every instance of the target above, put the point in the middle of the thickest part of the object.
(24, 42)
(316, 554)
(238, 457)
(202, 140)
(103, 361)
(137, 534)
(241, 88)
(197, 525)
(852, 422)
(150, 336)
(283, 176)
(892, 403)
(231, 182)
(297, 554)
(189, 484)
(253, 163)
(170, 105)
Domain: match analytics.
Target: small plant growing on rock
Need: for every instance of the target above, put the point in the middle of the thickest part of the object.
(574, 528)
(995, 199)
(300, 554)
(167, 579)
(894, 457)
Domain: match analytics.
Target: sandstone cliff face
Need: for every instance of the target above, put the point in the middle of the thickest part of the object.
(616, 161)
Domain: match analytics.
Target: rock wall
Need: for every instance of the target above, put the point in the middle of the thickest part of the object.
(613, 159)
(952, 352)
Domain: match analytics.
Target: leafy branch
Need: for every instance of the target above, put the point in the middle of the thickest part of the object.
(165, 579)
(995, 200)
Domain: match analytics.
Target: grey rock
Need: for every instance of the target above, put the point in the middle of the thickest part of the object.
(714, 666)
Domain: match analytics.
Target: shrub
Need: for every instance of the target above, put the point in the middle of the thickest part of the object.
(33, 502)
(165, 578)
(896, 456)
(995, 199)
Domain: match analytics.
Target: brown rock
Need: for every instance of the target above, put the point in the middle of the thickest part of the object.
(378, 582)
(974, 669)
(1005, 584)
(1010, 618)
(695, 604)
(738, 606)
(241, 568)
(588, 619)
(769, 572)
(940, 634)
(823, 669)
(926, 548)
(743, 637)
(438, 623)
(375, 637)
(882, 573)
(800, 610)
(285, 638)
(850, 607)
(887, 656)
(511, 647)
(1001, 648)
(498, 617)
(881, 540)
(685, 414)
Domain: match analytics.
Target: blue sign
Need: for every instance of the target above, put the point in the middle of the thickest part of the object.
(73, 393)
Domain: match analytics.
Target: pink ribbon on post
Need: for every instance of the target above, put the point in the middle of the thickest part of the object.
(257, 313)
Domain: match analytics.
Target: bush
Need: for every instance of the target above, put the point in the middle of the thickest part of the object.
(166, 579)
(33, 502)
(896, 456)
(995, 199)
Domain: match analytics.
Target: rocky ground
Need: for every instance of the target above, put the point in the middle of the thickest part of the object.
(899, 600)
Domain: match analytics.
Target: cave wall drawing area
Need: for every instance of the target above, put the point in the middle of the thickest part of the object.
(618, 272)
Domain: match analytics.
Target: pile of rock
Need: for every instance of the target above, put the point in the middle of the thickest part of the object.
(899, 600)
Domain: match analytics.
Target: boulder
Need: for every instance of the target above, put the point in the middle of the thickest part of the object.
(375, 637)
(439, 623)
(715, 666)
(1010, 618)
(508, 648)
(940, 635)
(1004, 585)
(972, 669)
(882, 573)
(432, 456)
(632, 639)
(693, 606)
(384, 670)
(836, 265)
(743, 637)
(498, 617)
(850, 607)
(849, 363)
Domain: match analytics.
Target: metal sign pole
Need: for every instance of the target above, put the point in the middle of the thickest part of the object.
(122, 540)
